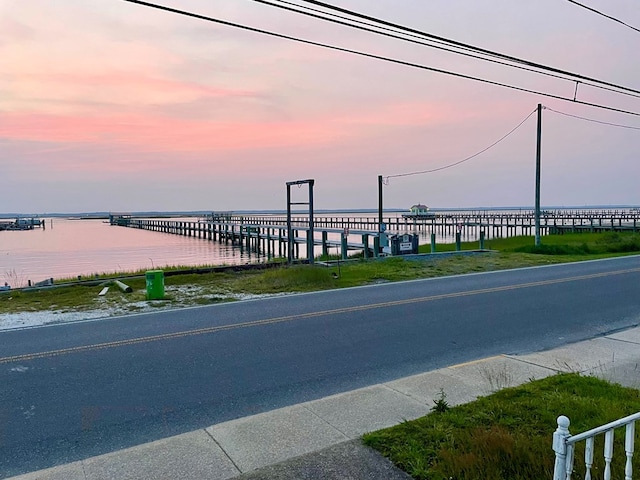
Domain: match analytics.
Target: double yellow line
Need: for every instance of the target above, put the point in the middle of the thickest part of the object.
(289, 318)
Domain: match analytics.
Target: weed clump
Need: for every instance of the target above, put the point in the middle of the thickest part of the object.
(440, 404)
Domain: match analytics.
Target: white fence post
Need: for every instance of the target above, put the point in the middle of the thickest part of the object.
(564, 446)
(560, 447)
(628, 447)
(608, 453)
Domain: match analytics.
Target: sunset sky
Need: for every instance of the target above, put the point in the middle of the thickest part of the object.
(109, 105)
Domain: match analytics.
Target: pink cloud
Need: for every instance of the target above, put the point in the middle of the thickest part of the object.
(154, 133)
(158, 132)
(139, 81)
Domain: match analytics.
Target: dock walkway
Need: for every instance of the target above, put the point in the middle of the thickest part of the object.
(268, 234)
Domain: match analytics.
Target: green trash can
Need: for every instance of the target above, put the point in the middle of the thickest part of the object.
(155, 284)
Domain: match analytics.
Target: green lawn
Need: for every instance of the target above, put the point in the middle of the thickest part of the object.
(508, 435)
(570, 244)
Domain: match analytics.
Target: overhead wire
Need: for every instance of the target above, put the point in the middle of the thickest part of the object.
(598, 12)
(461, 44)
(420, 40)
(387, 177)
(592, 120)
(374, 56)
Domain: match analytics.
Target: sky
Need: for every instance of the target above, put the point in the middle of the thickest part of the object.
(108, 105)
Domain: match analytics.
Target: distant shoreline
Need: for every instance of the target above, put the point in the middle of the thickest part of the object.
(194, 213)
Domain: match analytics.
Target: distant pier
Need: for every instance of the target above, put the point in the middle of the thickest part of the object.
(22, 224)
(267, 234)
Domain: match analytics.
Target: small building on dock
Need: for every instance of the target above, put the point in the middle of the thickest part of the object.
(120, 219)
(418, 211)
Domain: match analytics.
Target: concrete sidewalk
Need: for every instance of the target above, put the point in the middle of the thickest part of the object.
(319, 439)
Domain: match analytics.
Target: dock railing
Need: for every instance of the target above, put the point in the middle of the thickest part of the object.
(564, 446)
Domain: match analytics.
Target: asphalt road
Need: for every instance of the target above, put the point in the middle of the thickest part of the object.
(76, 390)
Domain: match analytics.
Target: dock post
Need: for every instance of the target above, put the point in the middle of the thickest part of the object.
(343, 247)
(269, 243)
(325, 248)
(310, 244)
(365, 242)
(433, 243)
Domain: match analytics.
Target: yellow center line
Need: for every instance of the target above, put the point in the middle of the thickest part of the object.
(476, 362)
(289, 318)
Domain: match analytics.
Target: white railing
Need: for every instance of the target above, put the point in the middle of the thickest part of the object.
(564, 446)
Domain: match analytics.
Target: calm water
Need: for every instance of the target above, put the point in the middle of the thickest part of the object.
(85, 247)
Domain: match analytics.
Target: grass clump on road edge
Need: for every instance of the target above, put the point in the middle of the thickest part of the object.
(508, 435)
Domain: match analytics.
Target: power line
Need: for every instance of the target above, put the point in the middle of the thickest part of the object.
(373, 56)
(464, 45)
(419, 40)
(468, 158)
(592, 120)
(604, 15)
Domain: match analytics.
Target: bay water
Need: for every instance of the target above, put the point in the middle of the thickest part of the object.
(66, 248)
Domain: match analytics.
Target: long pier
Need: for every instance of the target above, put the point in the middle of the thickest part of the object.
(269, 239)
(267, 234)
(499, 224)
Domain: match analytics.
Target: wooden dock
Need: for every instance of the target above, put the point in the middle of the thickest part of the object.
(270, 240)
(267, 234)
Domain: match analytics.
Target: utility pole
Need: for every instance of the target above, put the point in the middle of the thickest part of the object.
(538, 147)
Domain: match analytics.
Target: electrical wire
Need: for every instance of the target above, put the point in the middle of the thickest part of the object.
(592, 120)
(377, 57)
(604, 15)
(464, 45)
(418, 40)
(465, 159)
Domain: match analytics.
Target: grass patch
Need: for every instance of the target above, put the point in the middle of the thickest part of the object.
(574, 246)
(507, 435)
(571, 244)
(297, 278)
(544, 249)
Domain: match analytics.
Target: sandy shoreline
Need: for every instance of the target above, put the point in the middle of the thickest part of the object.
(17, 320)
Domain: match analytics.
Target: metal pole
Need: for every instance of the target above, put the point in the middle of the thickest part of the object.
(289, 233)
(310, 242)
(538, 148)
(379, 204)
